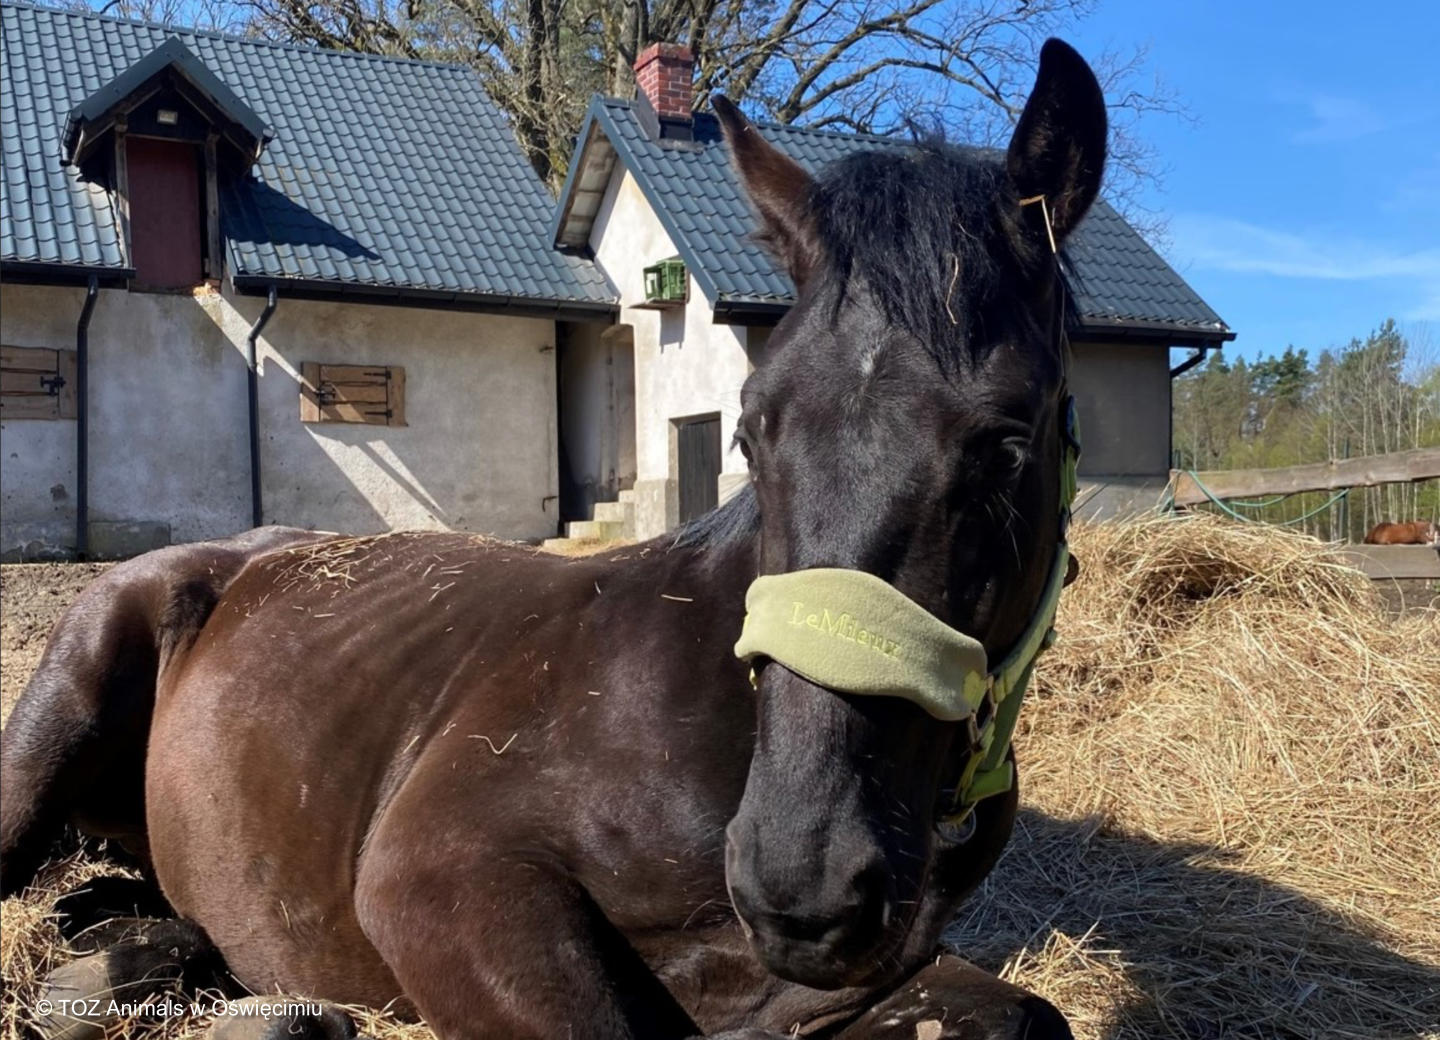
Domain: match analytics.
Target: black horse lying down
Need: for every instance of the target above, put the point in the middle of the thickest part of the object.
(537, 797)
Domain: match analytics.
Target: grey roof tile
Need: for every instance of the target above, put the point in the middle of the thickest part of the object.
(1116, 279)
(381, 172)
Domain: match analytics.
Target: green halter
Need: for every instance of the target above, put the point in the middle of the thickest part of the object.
(850, 631)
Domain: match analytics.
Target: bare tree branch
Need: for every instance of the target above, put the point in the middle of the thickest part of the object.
(962, 67)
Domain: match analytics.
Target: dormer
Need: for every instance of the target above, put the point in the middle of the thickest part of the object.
(163, 136)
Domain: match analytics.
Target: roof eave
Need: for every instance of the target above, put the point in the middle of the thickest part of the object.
(434, 299)
(1156, 333)
(170, 54)
(29, 272)
(566, 199)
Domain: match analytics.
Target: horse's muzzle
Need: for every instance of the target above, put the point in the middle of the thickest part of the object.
(825, 935)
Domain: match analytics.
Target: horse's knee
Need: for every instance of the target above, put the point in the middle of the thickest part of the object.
(273, 1018)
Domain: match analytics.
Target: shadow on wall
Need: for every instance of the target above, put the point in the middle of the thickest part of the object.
(306, 485)
(672, 328)
(1152, 939)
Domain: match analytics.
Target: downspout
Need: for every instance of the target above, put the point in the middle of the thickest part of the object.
(82, 421)
(253, 390)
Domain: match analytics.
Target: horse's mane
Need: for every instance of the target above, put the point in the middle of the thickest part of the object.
(734, 522)
(922, 229)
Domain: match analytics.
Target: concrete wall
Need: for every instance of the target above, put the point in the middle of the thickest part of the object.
(169, 453)
(1123, 397)
(686, 366)
(1122, 392)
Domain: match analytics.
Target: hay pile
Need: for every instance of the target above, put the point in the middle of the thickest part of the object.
(1231, 770)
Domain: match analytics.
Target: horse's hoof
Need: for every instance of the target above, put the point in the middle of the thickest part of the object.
(90, 995)
(289, 1018)
(103, 898)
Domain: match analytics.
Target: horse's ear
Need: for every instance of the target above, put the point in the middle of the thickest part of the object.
(1058, 150)
(779, 189)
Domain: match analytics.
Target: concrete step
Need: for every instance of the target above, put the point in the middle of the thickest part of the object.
(627, 497)
(621, 512)
(595, 530)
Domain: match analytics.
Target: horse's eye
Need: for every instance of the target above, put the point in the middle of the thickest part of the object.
(1014, 454)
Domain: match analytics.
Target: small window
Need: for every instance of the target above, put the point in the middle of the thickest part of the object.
(37, 383)
(373, 394)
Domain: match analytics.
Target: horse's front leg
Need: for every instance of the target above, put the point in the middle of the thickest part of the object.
(489, 943)
(952, 999)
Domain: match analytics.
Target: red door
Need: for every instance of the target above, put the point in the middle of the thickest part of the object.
(165, 231)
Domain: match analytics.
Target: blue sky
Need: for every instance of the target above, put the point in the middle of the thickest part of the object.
(1304, 200)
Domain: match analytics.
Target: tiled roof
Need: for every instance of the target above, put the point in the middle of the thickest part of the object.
(383, 175)
(1120, 285)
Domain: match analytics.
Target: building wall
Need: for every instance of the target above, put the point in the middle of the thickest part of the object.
(169, 457)
(686, 366)
(1122, 392)
(1123, 396)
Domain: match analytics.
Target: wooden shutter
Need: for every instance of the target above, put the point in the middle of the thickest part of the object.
(36, 383)
(372, 394)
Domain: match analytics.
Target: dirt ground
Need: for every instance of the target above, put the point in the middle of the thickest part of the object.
(32, 598)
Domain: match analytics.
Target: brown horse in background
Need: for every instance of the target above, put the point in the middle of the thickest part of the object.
(1416, 532)
(530, 796)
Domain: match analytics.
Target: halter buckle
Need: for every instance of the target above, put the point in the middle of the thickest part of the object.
(979, 720)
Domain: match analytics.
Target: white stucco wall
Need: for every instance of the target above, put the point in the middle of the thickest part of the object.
(168, 421)
(685, 365)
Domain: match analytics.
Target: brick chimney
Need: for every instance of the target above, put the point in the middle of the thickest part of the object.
(663, 80)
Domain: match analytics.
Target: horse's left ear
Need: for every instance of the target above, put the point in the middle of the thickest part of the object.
(1058, 150)
(778, 187)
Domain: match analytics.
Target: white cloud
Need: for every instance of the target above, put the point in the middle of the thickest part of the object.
(1225, 244)
(1339, 119)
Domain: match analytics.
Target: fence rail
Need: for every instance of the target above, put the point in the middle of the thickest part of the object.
(1401, 467)
(1394, 561)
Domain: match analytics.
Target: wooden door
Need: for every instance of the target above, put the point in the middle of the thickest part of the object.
(166, 231)
(699, 451)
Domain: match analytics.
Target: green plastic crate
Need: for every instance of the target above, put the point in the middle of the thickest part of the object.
(665, 282)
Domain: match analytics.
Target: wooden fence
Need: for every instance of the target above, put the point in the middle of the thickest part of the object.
(1401, 467)
(1378, 561)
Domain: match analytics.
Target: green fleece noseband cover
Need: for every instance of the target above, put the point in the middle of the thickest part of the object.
(853, 632)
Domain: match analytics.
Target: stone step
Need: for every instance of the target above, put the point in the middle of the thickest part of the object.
(627, 496)
(621, 512)
(595, 530)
